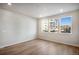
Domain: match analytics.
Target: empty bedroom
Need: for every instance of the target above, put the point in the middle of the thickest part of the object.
(39, 28)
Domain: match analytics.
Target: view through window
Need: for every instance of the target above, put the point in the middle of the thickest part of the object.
(63, 25)
(53, 25)
(66, 23)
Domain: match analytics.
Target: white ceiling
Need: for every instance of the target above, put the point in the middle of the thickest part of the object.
(41, 9)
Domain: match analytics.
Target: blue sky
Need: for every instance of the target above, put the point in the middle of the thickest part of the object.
(66, 21)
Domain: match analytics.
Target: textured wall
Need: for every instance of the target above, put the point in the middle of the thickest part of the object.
(16, 28)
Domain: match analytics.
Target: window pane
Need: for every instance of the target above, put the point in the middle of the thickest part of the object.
(66, 25)
(44, 25)
(53, 25)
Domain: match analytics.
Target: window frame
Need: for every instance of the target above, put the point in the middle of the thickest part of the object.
(55, 25)
(43, 25)
(60, 24)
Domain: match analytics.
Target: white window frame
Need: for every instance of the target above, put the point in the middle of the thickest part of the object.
(49, 25)
(60, 24)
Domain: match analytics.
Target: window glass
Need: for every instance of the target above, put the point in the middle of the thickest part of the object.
(53, 25)
(63, 25)
(66, 23)
(44, 25)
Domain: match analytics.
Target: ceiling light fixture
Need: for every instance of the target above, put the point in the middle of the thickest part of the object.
(40, 15)
(10, 4)
(61, 10)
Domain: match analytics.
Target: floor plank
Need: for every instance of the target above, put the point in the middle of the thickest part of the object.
(39, 47)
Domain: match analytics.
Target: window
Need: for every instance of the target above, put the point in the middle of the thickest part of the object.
(62, 25)
(66, 23)
(44, 25)
(53, 25)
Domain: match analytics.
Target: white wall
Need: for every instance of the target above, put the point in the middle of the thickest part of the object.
(70, 39)
(16, 28)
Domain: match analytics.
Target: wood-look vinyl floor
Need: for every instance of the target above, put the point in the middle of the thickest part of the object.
(39, 47)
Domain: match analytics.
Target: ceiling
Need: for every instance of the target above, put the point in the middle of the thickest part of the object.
(38, 10)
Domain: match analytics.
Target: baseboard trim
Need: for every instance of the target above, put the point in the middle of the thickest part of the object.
(17, 43)
(59, 43)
